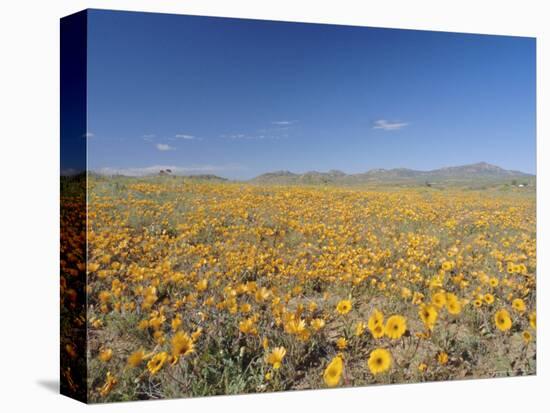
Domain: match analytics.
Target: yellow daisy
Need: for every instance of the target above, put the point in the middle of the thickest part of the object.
(379, 361)
(395, 326)
(503, 320)
(333, 372)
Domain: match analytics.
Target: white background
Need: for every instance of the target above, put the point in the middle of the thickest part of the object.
(29, 157)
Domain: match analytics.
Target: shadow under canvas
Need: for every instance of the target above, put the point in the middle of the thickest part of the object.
(49, 384)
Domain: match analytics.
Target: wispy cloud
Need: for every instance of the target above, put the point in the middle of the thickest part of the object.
(280, 130)
(163, 147)
(176, 170)
(149, 137)
(236, 136)
(186, 137)
(259, 136)
(284, 122)
(388, 126)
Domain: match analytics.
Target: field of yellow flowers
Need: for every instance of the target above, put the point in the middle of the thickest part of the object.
(203, 288)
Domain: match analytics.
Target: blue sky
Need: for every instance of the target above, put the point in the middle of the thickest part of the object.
(238, 98)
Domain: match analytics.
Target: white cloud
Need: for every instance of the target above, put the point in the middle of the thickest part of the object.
(186, 137)
(176, 170)
(236, 136)
(284, 122)
(164, 147)
(279, 131)
(149, 137)
(262, 135)
(242, 136)
(388, 126)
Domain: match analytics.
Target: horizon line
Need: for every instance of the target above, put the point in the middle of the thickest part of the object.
(218, 171)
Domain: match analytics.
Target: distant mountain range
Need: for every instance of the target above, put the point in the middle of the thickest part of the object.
(474, 175)
(481, 171)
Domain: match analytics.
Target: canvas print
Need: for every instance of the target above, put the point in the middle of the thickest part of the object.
(259, 206)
